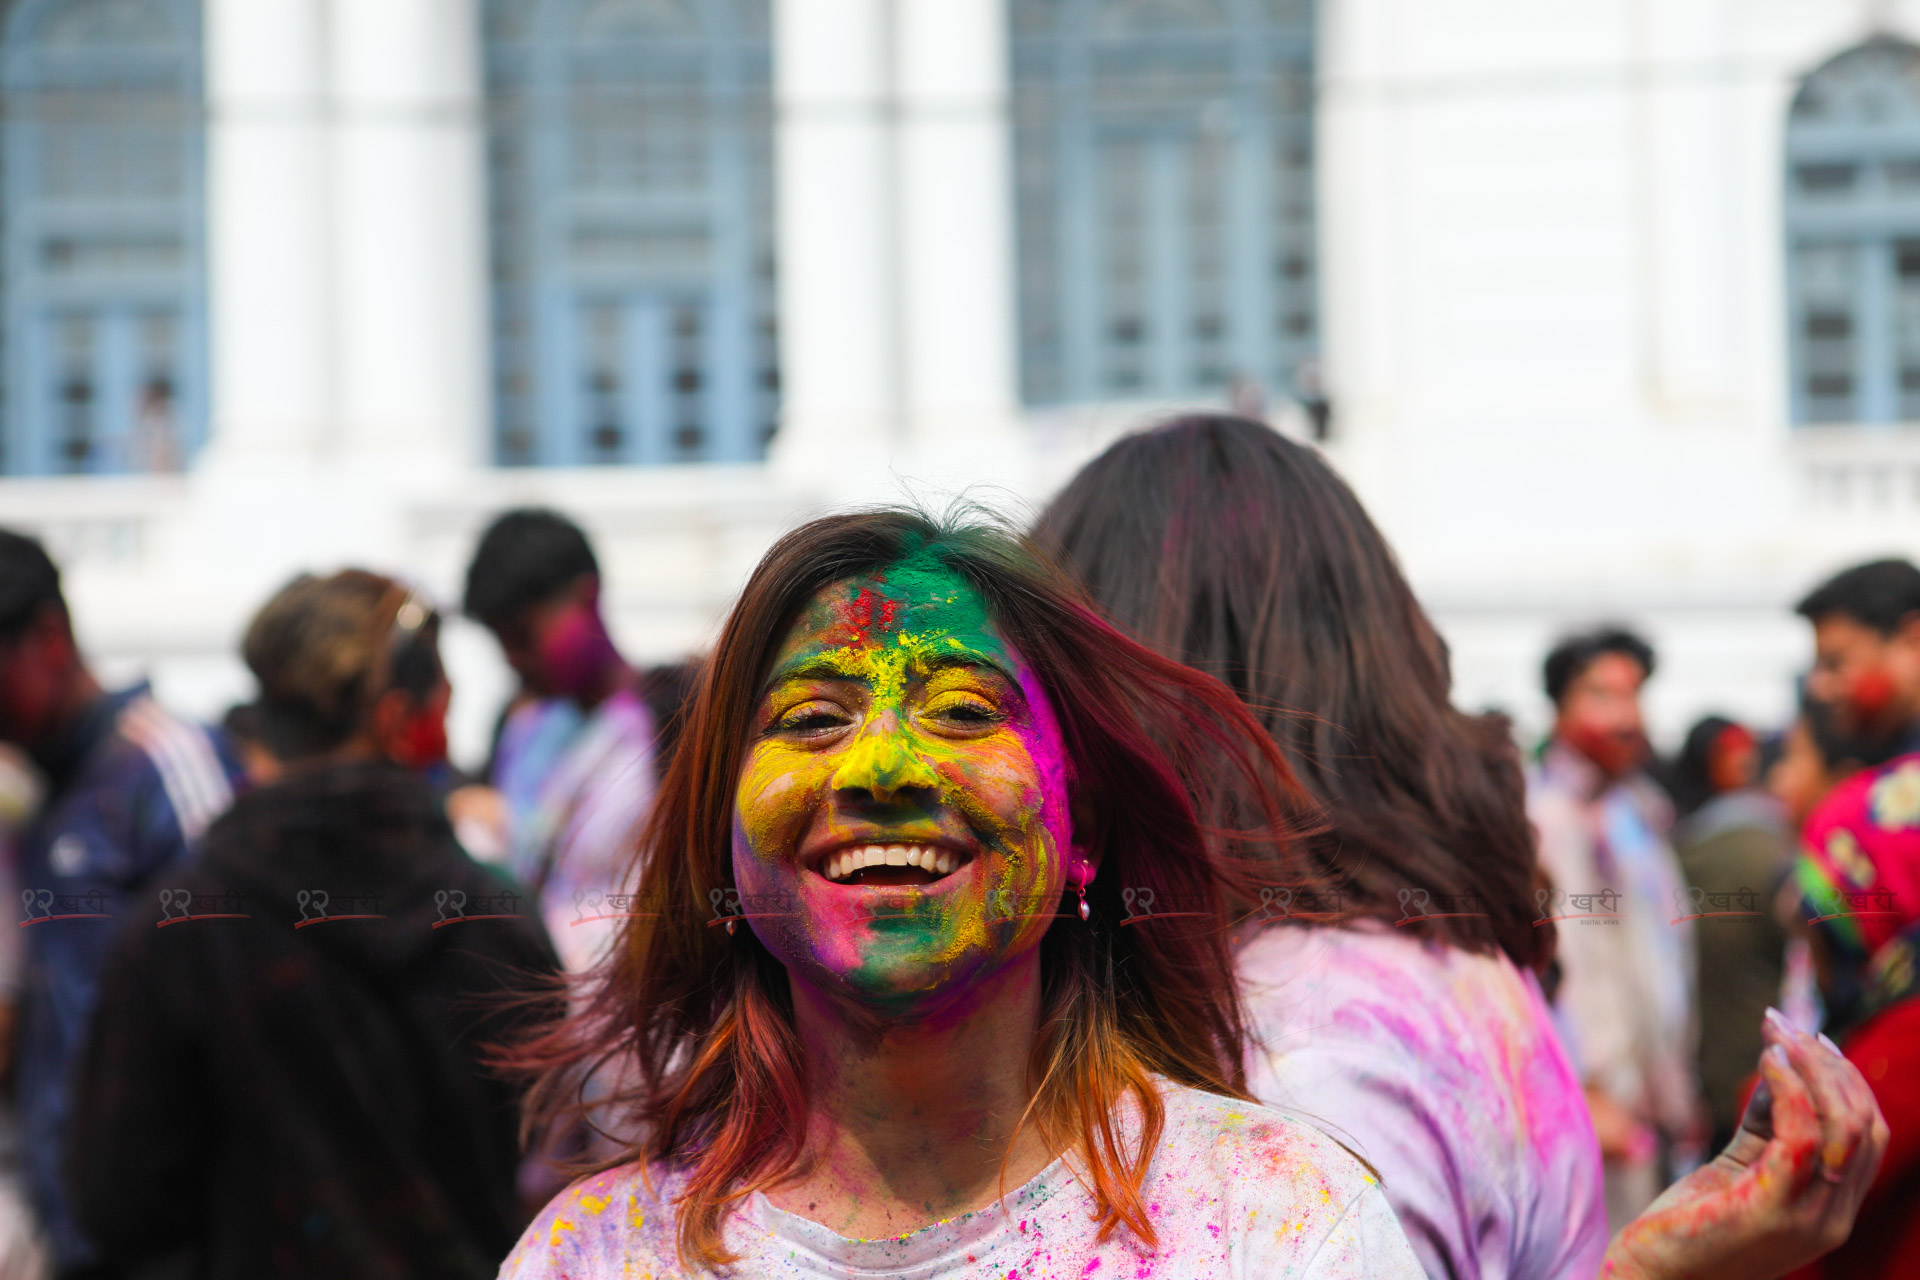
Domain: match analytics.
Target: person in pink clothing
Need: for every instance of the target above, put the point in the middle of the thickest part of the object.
(1390, 967)
(1370, 1028)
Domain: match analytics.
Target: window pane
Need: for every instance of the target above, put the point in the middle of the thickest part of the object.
(630, 158)
(1826, 179)
(1164, 185)
(1854, 137)
(78, 419)
(1903, 176)
(1906, 326)
(1827, 283)
(103, 332)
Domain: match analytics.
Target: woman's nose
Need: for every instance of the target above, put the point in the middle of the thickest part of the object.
(882, 763)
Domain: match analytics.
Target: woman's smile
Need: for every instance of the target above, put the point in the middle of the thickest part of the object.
(890, 865)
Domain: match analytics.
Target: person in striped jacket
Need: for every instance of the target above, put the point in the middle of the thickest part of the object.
(129, 788)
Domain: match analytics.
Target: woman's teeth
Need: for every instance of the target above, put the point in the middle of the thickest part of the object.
(842, 865)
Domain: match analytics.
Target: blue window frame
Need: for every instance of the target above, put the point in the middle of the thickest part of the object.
(1163, 155)
(1852, 211)
(103, 217)
(630, 155)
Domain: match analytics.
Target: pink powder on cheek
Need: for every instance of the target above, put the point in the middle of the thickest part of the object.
(1047, 747)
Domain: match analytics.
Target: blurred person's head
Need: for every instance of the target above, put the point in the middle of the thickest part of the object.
(1223, 544)
(535, 584)
(1718, 756)
(1866, 640)
(349, 669)
(1594, 680)
(44, 681)
(1815, 757)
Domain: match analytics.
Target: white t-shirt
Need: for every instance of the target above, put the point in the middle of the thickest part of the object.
(1234, 1190)
(1441, 1068)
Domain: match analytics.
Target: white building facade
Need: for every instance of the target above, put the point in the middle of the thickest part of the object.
(1615, 303)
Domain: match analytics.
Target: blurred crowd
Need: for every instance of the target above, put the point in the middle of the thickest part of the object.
(213, 1068)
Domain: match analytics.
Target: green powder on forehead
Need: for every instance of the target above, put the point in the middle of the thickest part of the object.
(921, 578)
(893, 621)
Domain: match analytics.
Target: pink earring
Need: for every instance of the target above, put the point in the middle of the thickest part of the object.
(1084, 869)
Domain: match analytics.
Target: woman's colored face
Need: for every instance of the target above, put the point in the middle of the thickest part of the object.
(901, 819)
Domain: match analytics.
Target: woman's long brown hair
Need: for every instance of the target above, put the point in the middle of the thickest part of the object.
(701, 1020)
(1221, 543)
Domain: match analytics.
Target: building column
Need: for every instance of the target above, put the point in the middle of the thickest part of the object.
(267, 261)
(834, 159)
(409, 205)
(895, 243)
(956, 240)
(347, 285)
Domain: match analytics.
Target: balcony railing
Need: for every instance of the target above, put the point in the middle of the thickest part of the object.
(93, 522)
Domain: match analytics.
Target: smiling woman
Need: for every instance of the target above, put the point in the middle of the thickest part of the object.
(913, 759)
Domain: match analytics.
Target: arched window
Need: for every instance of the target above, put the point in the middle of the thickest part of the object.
(632, 230)
(104, 316)
(1853, 237)
(1164, 171)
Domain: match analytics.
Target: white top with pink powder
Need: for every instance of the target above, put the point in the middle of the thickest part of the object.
(1233, 1191)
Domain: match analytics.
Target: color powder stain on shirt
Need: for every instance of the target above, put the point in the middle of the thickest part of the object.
(1441, 1068)
(1207, 1197)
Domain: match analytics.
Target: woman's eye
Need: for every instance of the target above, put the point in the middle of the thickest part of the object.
(812, 718)
(971, 712)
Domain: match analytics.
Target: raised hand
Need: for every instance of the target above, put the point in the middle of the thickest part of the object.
(1786, 1189)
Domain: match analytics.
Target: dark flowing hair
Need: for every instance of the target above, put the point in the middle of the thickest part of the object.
(1219, 542)
(703, 1019)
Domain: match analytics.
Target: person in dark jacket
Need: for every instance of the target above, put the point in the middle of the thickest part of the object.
(286, 1074)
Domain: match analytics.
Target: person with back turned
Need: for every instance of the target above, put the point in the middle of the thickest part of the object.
(1389, 968)
(287, 1074)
